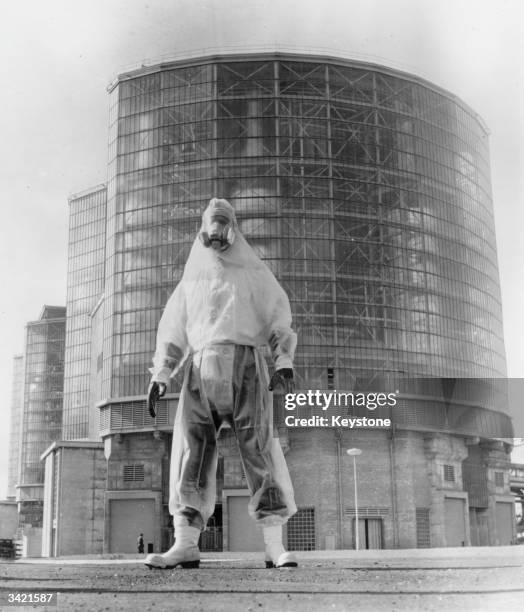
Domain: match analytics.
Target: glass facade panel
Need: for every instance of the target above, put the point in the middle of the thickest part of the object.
(366, 191)
(85, 287)
(43, 392)
(15, 431)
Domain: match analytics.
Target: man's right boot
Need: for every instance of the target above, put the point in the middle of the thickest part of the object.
(276, 555)
(183, 553)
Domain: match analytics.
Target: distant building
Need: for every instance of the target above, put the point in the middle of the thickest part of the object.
(15, 431)
(367, 191)
(41, 419)
(85, 289)
(74, 524)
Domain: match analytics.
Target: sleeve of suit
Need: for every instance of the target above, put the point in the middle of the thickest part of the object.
(282, 338)
(171, 339)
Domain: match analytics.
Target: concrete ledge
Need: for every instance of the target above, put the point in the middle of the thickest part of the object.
(482, 555)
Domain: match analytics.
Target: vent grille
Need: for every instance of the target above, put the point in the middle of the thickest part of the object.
(449, 473)
(499, 479)
(134, 473)
(367, 512)
(129, 415)
(104, 419)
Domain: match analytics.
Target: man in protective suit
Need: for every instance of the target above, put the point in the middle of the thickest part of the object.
(227, 304)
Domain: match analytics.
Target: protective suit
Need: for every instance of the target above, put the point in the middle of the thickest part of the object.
(226, 306)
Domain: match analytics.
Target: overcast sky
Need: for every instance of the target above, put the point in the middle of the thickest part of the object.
(58, 56)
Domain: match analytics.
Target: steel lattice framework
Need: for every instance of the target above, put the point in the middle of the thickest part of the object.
(367, 191)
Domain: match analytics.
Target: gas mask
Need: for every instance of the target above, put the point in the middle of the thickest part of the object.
(217, 231)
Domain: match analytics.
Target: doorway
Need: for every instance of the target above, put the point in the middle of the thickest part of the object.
(369, 533)
(505, 520)
(243, 534)
(127, 519)
(455, 521)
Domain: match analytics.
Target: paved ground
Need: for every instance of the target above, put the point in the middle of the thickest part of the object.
(432, 579)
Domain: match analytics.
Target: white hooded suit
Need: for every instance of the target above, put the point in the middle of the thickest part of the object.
(227, 305)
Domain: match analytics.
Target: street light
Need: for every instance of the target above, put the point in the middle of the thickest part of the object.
(353, 452)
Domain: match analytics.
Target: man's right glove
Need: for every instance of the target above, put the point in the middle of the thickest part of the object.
(283, 378)
(154, 393)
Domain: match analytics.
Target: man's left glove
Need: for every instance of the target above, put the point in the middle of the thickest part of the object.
(154, 393)
(283, 378)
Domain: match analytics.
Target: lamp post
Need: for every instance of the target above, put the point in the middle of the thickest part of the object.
(353, 452)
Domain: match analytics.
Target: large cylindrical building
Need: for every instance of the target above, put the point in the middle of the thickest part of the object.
(367, 192)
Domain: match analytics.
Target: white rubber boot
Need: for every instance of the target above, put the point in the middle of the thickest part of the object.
(276, 555)
(184, 552)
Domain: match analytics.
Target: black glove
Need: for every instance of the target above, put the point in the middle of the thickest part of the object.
(154, 393)
(283, 378)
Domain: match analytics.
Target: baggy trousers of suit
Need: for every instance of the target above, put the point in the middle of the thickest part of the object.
(227, 384)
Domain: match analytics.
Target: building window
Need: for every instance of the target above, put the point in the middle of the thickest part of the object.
(449, 473)
(134, 473)
(330, 378)
(499, 479)
(422, 520)
(301, 530)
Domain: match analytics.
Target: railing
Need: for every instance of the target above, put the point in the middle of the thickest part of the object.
(7, 549)
(211, 540)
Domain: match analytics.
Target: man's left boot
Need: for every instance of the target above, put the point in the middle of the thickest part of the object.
(276, 555)
(184, 553)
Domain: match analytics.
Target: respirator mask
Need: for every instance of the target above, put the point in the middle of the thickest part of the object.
(217, 231)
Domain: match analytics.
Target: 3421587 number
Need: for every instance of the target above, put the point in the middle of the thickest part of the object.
(28, 598)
